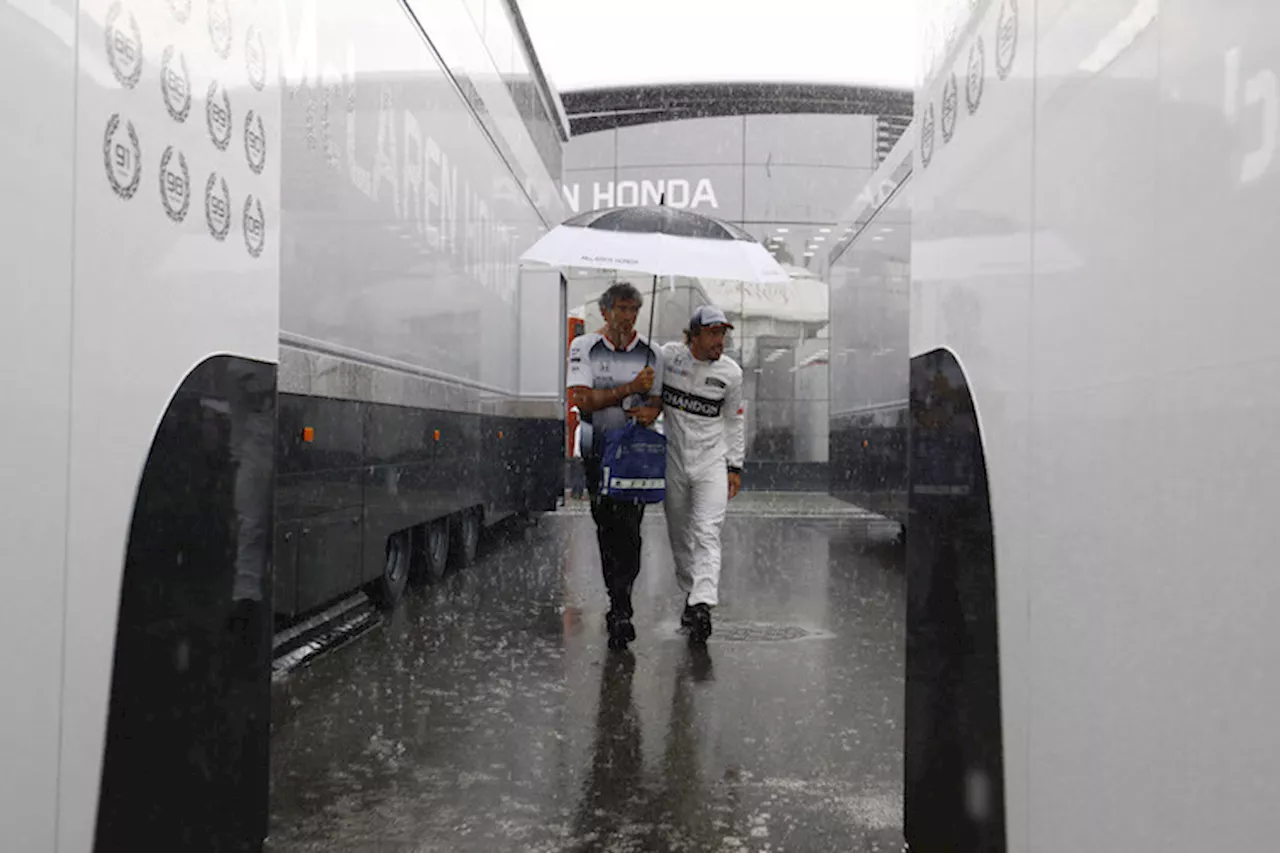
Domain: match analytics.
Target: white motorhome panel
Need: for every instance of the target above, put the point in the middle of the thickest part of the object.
(1094, 241)
(176, 261)
(145, 206)
(404, 224)
(971, 295)
(37, 57)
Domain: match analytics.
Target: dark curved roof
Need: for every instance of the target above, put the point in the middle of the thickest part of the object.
(621, 106)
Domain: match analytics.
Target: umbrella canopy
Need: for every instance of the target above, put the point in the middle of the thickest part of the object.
(658, 241)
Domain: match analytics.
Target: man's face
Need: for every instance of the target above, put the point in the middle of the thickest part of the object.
(621, 318)
(708, 343)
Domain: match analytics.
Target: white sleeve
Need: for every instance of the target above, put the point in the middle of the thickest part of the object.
(735, 424)
(579, 373)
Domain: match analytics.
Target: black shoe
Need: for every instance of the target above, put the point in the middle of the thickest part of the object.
(621, 631)
(686, 618)
(700, 627)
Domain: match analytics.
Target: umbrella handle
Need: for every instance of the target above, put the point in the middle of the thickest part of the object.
(653, 309)
(653, 298)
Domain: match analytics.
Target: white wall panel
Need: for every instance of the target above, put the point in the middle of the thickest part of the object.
(404, 224)
(972, 265)
(1095, 131)
(37, 57)
(169, 269)
(541, 333)
(1115, 316)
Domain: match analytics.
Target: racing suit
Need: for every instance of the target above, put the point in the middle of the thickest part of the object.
(703, 419)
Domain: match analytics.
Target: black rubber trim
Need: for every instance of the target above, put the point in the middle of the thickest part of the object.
(187, 743)
(954, 754)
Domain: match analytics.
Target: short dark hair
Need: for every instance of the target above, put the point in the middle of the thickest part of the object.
(620, 290)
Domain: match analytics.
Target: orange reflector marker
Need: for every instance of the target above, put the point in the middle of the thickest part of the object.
(499, 433)
(308, 434)
(437, 435)
(864, 442)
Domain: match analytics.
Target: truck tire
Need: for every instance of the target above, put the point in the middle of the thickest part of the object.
(466, 538)
(435, 550)
(388, 589)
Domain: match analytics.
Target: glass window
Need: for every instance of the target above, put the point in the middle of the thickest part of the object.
(519, 61)
(588, 189)
(689, 142)
(800, 193)
(870, 297)
(476, 8)
(713, 190)
(811, 140)
(796, 244)
(591, 151)
(498, 36)
(787, 431)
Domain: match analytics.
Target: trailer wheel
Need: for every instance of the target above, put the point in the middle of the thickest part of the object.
(387, 590)
(430, 552)
(466, 537)
(436, 550)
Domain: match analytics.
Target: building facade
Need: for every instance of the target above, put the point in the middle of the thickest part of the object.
(779, 160)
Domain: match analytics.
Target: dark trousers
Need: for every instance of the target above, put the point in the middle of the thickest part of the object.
(576, 478)
(618, 532)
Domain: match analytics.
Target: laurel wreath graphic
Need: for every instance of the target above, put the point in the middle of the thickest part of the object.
(1007, 38)
(180, 213)
(977, 81)
(252, 120)
(131, 79)
(220, 28)
(257, 71)
(926, 137)
(220, 141)
(180, 112)
(219, 232)
(950, 108)
(124, 191)
(255, 249)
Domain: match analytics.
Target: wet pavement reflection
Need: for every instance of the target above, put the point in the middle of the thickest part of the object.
(488, 714)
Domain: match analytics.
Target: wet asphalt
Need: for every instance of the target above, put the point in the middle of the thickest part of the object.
(487, 714)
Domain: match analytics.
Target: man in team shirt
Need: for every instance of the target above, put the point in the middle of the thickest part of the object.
(612, 376)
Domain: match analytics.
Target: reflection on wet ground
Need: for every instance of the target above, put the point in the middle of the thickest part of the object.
(489, 715)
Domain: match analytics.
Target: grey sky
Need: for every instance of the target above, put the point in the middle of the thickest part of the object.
(585, 43)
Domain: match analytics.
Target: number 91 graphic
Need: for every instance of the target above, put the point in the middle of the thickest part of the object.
(122, 157)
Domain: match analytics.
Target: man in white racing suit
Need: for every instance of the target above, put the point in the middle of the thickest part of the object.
(703, 420)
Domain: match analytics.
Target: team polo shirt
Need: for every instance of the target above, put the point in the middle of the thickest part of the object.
(594, 362)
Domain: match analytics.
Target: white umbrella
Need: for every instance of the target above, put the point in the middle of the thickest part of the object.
(658, 241)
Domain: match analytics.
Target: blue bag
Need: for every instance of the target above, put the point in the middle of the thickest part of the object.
(633, 465)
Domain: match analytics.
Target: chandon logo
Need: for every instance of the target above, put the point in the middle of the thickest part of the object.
(691, 403)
